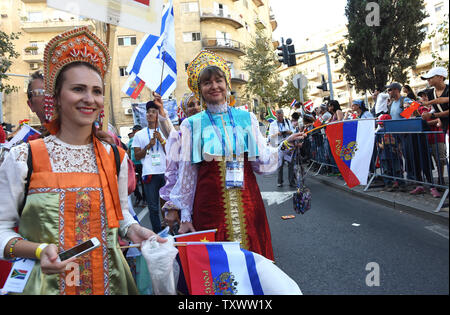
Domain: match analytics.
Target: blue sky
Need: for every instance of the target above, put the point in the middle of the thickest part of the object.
(300, 18)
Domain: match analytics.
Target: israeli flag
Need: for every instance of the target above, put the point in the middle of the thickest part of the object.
(154, 60)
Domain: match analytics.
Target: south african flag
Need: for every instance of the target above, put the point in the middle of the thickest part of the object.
(19, 274)
(272, 115)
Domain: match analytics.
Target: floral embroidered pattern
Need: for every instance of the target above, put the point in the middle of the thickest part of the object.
(82, 228)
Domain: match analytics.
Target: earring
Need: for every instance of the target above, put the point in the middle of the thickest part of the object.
(49, 107)
(100, 118)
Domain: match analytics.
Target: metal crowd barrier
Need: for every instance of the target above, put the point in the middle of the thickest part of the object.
(402, 156)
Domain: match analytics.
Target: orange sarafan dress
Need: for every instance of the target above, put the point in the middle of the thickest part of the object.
(68, 208)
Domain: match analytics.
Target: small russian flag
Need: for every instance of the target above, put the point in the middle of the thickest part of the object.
(135, 86)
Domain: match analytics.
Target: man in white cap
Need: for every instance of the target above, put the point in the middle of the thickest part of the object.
(437, 95)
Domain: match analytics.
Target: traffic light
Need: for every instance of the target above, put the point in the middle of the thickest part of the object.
(283, 53)
(292, 60)
(324, 85)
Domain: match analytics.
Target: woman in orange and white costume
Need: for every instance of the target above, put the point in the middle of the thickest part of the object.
(74, 192)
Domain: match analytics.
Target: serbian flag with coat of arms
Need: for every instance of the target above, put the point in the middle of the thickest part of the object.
(223, 268)
(351, 143)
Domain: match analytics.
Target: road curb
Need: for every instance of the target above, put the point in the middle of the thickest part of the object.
(439, 217)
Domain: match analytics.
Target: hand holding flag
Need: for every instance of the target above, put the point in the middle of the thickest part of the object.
(413, 106)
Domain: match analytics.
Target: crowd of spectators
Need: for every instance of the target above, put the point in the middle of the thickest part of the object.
(408, 161)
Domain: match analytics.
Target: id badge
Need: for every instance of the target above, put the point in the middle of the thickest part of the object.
(234, 174)
(18, 277)
(156, 159)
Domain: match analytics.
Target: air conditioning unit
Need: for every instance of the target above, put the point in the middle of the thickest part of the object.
(34, 66)
(128, 111)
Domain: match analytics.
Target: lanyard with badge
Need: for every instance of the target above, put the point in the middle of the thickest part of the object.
(155, 156)
(234, 177)
(18, 276)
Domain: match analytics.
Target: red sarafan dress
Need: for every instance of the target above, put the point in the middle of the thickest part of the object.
(238, 214)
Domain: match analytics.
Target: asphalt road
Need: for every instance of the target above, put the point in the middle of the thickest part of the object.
(328, 249)
(348, 245)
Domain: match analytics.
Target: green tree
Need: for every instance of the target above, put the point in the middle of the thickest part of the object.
(261, 64)
(383, 41)
(441, 33)
(289, 92)
(7, 54)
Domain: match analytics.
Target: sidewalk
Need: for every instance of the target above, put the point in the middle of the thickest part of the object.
(421, 205)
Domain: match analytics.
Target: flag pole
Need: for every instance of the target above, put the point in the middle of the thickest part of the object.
(162, 72)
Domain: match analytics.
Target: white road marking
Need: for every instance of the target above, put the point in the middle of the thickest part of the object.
(438, 229)
(142, 214)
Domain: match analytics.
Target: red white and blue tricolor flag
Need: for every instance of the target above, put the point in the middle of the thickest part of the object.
(293, 103)
(352, 144)
(134, 86)
(309, 105)
(23, 135)
(223, 268)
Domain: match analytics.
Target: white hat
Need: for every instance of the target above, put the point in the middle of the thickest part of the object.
(435, 71)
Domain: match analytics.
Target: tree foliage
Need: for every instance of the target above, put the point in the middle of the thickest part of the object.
(378, 54)
(261, 65)
(441, 33)
(7, 54)
(289, 92)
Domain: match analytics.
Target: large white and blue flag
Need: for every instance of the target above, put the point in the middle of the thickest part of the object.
(154, 60)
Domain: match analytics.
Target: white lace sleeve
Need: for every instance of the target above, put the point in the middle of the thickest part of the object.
(267, 161)
(123, 197)
(183, 192)
(13, 173)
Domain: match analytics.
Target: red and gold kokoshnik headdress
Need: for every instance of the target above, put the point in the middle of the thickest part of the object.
(75, 45)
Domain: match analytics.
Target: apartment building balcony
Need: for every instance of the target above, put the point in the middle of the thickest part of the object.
(312, 75)
(273, 23)
(33, 54)
(222, 44)
(258, 3)
(260, 24)
(222, 17)
(239, 78)
(54, 25)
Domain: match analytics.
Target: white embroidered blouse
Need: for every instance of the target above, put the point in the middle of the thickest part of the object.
(64, 158)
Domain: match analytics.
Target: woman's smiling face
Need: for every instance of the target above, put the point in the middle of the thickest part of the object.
(213, 88)
(80, 99)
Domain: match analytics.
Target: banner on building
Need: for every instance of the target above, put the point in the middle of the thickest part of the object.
(140, 15)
